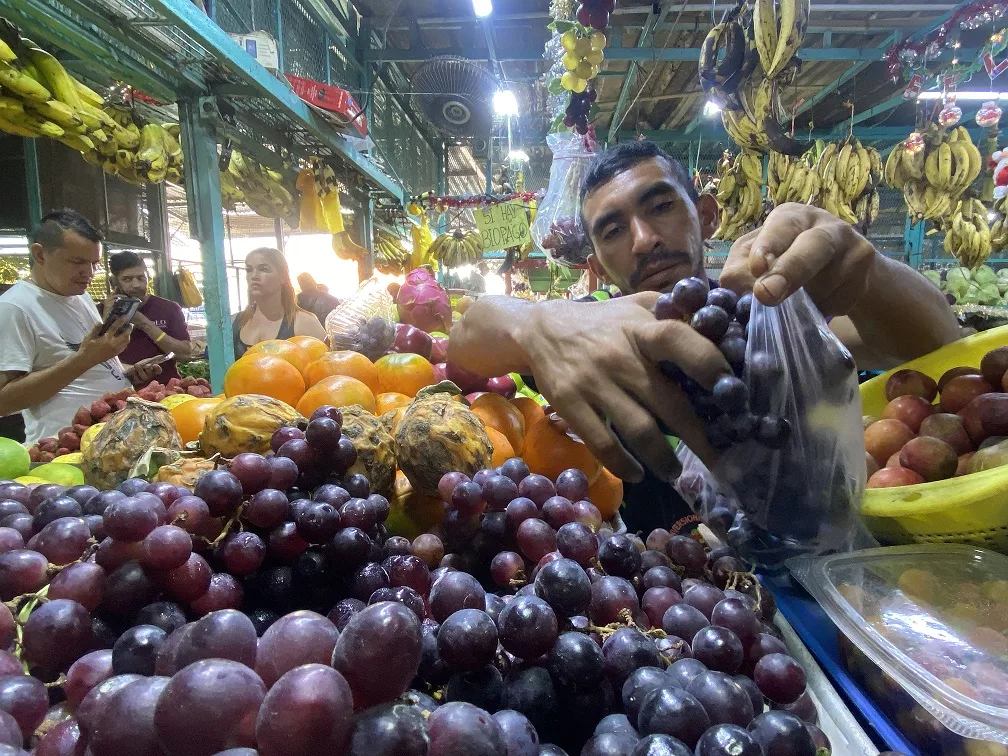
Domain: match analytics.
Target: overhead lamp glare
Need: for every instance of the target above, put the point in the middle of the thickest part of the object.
(711, 109)
(482, 8)
(505, 103)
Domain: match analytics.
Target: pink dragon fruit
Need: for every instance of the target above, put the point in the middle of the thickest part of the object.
(424, 303)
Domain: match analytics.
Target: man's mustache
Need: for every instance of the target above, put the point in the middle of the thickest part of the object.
(675, 257)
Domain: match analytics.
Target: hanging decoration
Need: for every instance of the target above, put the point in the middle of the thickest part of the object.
(915, 52)
(989, 115)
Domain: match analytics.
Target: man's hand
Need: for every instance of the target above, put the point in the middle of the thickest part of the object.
(143, 372)
(142, 322)
(97, 349)
(802, 246)
(599, 361)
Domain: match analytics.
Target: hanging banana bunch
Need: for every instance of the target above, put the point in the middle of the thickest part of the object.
(779, 29)
(264, 189)
(968, 233)
(455, 248)
(999, 228)
(739, 192)
(933, 169)
(423, 240)
(390, 256)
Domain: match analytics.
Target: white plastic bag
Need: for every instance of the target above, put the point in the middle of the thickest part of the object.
(365, 321)
(803, 498)
(557, 227)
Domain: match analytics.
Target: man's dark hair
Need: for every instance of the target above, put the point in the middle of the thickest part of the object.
(49, 231)
(612, 161)
(120, 261)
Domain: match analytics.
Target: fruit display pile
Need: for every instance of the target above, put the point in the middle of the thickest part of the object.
(917, 441)
(88, 420)
(269, 608)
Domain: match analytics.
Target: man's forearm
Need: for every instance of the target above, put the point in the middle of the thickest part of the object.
(902, 315)
(486, 340)
(39, 386)
(180, 347)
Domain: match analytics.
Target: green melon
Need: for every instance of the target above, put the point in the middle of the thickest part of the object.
(14, 460)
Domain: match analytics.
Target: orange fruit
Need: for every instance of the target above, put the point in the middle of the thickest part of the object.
(502, 449)
(498, 413)
(258, 373)
(339, 391)
(606, 493)
(549, 450)
(404, 373)
(312, 347)
(189, 419)
(353, 364)
(530, 408)
(285, 350)
(390, 400)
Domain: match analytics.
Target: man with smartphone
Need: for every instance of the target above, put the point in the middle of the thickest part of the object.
(55, 356)
(159, 325)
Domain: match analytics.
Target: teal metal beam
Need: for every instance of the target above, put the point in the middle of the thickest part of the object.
(31, 168)
(846, 76)
(644, 40)
(242, 66)
(206, 224)
(410, 55)
(883, 107)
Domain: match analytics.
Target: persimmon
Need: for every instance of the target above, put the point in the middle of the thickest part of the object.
(338, 391)
(260, 373)
(353, 364)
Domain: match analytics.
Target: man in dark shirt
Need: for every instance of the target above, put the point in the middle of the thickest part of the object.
(598, 362)
(315, 298)
(160, 324)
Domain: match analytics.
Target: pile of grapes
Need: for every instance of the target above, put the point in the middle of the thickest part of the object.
(268, 612)
(775, 469)
(576, 114)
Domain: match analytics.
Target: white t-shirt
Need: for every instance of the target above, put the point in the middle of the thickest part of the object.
(37, 330)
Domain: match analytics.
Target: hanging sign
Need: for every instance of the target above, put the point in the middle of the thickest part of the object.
(502, 225)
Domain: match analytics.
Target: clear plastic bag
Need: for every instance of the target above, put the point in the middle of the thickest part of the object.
(803, 498)
(365, 321)
(557, 227)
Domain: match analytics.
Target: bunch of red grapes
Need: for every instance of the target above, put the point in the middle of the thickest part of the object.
(267, 612)
(721, 316)
(576, 115)
(595, 13)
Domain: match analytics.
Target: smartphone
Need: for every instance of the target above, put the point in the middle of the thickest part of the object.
(157, 360)
(122, 308)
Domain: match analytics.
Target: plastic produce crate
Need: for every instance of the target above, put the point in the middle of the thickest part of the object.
(924, 628)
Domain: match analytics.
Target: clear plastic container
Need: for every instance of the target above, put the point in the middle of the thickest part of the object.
(925, 628)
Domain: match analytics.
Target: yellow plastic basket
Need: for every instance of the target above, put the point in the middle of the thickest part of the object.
(971, 509)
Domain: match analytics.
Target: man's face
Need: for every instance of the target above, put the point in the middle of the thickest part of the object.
(68, 269)
(132, 282)
(646, 232)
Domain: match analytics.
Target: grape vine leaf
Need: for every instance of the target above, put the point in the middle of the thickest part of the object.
(555, 87)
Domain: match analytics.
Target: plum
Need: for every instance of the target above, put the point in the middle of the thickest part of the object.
(906, 381)
(910, 410)
(894, 460)
(889, 477)
(955, 372)
(870, 464)
(994, 365)
(993, 412)
(985, 459)
(961, 391)
(991, 441)
(885, 438)
(931, 458)
(867, 420)
(949, 428)
(962, 468)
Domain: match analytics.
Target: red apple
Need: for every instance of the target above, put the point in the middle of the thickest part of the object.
(465, 380)
(412, 340)
(503, 385)
(439, 352)
(889, 477)
(439, 372)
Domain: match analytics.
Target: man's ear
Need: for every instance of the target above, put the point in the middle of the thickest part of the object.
(37, 252)
(710, 215)
(596, 267)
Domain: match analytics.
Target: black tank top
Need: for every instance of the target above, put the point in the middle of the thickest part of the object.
(240, 347)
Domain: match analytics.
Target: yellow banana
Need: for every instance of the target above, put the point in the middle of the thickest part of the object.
(7, 55)
(151, 154)
(793, 22)
(59, 82)
(16, 128)
(87, 95)
(79, 142)
(22, 84)
(765, 31)
(913, 164)
(931, 169)
(60, 113)
(944, 165)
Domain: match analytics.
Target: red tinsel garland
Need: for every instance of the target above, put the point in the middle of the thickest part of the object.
(477, 200)
(966, 14)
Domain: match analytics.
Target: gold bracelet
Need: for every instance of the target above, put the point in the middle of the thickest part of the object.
(158, 339)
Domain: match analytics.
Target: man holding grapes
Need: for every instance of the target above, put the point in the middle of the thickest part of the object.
(647, 226)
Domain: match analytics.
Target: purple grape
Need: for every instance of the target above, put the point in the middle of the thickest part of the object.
(726, 299)
(669, 710)
(689, 295)
(779, 677)
(719, 649)
(724, 700)
(711, 322)
(730, 394)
